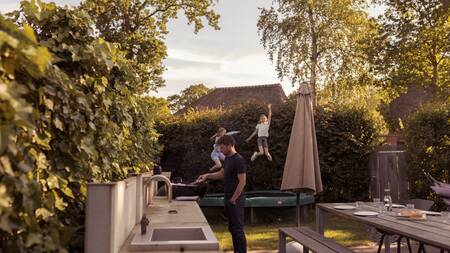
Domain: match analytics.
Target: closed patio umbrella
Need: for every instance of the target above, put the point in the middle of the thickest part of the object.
(301, 170)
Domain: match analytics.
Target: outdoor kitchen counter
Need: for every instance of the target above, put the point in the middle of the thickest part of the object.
(188, 214)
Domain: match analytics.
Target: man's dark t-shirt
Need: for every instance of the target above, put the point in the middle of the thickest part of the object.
(232, 166)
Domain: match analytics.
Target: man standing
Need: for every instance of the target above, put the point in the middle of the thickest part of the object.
(234, 177)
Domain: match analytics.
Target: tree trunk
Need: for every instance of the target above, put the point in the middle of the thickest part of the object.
(314, 56)
(333, 92)
(434, 82)
(313, 77)
(435, 64)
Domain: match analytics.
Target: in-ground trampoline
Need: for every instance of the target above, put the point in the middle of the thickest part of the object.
(258, 199)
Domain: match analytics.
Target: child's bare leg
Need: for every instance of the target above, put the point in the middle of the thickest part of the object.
(266, 152)
(256, 154)
(261, 150)
(216, 166)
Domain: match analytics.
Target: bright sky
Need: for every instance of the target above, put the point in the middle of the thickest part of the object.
(231, 56)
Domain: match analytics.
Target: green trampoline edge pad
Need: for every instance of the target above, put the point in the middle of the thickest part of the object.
(216, 200)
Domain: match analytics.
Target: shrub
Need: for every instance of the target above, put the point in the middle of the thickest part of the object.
(427, 136)
(345, 138)
(70, 113)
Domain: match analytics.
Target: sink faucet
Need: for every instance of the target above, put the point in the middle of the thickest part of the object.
(144, 224)
(150, 188)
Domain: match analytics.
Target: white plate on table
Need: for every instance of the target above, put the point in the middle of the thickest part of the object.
(432, 213)
(366, 213)
(344, 207)
(395, 206)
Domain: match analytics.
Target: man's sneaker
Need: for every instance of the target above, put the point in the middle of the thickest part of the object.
(254, 156)
(269, 157)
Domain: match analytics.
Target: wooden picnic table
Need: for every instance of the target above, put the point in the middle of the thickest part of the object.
(433, 231)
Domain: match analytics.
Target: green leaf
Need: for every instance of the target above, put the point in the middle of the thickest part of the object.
(83, 190)
(43, 213)
(43, 141)
(5, 165)
(6, 38)
(67, 191)
(52, 182)
(42, 58)
(48, 103)
(92, 126)
(29, 33)
(41, 161)
(58, 124)
(86, 145)
(59, 202)
(5, 200)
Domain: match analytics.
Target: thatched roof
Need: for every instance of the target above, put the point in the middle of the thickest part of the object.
(227, 97)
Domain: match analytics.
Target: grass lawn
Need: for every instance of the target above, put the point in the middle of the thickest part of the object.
(264, 235)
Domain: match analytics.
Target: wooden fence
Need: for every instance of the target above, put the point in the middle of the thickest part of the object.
(388, 170)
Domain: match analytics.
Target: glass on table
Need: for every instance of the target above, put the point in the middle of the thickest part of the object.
(410, 206)
(359, 204)
(378, 204)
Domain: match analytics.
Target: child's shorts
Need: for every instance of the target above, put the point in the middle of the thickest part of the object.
(262, 141)
(215, 155)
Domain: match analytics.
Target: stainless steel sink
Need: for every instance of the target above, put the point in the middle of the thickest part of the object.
(175, 239)
(178, 234)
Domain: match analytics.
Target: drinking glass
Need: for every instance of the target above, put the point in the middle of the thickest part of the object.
(382, 207)
(358, 204)
(376, 202)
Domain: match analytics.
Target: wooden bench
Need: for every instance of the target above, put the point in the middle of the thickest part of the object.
(311, 241)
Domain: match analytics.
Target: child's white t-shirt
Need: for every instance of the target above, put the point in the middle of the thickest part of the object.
(263, 129)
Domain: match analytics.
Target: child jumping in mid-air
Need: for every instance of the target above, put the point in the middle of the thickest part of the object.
(262, 129)
(216, 154)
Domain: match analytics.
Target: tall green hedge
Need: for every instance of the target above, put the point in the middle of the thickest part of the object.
(427, 136)
(70, 113)
(345, 138)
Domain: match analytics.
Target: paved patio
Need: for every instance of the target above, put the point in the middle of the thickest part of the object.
(363, 249)
(374, 248)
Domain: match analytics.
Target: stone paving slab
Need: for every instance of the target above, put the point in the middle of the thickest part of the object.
(363, 249)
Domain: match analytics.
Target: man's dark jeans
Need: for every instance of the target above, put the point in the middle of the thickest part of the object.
(235, 215)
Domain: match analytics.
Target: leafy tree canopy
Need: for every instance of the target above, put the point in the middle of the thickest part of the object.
(187, 96)
(140, 26)
(319, 41)
(413, 46)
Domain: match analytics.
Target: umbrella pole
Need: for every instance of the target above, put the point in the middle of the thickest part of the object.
(297, 201)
